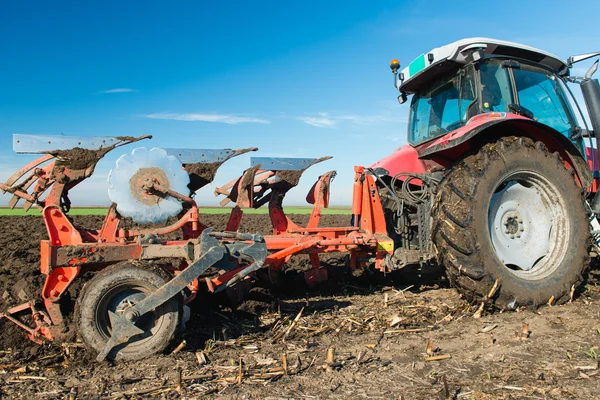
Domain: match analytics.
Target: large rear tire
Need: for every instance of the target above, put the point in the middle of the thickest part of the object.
(512, 214)
(115, 289)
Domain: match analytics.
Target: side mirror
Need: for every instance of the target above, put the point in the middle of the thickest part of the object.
(402, 98)
(575, 59)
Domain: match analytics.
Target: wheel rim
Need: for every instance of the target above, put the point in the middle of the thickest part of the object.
(120, 298)
(527, 225)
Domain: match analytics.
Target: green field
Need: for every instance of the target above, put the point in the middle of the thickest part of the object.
(203, 210)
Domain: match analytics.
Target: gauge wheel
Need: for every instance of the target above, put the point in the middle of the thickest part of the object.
(116, 289)
(510, 225)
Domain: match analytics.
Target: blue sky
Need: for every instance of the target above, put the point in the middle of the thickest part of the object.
(296, 79)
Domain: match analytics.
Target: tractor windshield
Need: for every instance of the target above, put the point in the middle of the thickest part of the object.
(442, 106)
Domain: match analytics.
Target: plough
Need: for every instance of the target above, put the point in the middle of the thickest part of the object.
(150, 186)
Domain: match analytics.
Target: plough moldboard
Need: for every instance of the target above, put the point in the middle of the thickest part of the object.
(123, 306)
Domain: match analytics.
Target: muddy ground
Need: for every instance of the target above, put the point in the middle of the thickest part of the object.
(377, 331)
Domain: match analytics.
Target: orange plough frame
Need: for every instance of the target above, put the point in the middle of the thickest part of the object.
(70, 251)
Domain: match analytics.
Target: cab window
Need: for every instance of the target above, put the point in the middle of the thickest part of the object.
(495, 87)
(541, 94)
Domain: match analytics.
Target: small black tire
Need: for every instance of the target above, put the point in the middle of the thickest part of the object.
(464, 221)
(113, 288)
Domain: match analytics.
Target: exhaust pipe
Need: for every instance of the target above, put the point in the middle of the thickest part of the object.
(590, 89)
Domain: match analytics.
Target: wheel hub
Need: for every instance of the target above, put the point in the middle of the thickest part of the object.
(122, 306)
(520, 223)
(513, 224)
(142, 183)
(131, 316)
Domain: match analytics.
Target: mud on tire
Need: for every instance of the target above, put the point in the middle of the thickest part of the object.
(483, 206)
(115, 288)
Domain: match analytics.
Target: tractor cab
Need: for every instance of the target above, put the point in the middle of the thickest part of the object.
(453, 83)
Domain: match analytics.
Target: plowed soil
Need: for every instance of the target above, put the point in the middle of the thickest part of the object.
(376, 331)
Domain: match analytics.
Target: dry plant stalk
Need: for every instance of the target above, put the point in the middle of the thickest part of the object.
(240, 373)
(179, 386)
(446, 389)
(360, 356)
(410, 330)
(331, 355)
(439, 358)
(201, 357)
(339, 328)
(284, 362)
(179, 347)
(396, 320)
(493, 290)
(328, 366)
(291, 327)
(32, 377)
(429, 349)
(525, 331)
(479, 311)
(571, 294)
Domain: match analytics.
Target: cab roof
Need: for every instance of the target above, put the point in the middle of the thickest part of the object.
(462, 52)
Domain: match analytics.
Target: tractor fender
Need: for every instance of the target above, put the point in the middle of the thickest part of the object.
(454, 145)
(403, 159)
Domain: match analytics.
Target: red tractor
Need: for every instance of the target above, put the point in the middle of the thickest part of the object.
(495, 181)
(496, 185)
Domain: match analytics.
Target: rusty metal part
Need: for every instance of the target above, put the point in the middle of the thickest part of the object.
(155, 187)
(143, 182)
(202, 164)
(40, 319)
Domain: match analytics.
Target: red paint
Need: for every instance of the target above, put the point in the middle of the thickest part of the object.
(319, 197)
(591, 155)
(235, 219)
(406, 158)
(403, 159)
